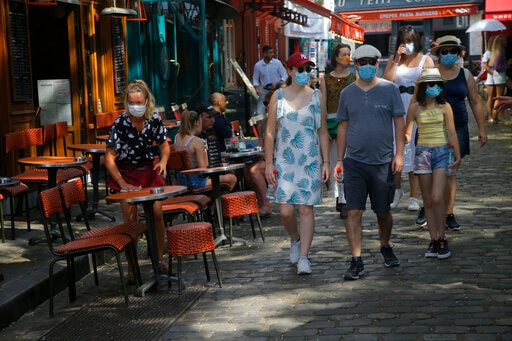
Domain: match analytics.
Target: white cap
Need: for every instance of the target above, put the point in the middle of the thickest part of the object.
(366, 51)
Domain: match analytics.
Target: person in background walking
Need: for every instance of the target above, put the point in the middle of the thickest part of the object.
(367, 110)
(129, 156)
(498, 67)
(268, 73)
(434, 118)
(404, 69)
(459, 84)
(297, 147)
(489, 81)
(330, 86)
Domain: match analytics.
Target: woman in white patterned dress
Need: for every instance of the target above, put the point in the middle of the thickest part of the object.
(297, 147)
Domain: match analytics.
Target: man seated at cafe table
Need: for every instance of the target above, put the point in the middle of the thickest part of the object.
(221, 126)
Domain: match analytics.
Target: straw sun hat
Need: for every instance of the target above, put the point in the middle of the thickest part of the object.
(447, 41)
(430, 75)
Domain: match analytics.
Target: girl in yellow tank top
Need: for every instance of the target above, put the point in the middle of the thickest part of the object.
(436, 129)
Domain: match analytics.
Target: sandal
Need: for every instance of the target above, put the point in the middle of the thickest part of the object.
(264, 212)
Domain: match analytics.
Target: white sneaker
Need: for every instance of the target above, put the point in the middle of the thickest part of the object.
(303, 266)
(414, 205)
(398, 195)
(294, 251)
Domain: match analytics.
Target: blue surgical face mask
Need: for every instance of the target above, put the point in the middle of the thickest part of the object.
(302, 78)
(433, 91)
(449, 59)
(409, 49)
(137, 110)
(367, 72)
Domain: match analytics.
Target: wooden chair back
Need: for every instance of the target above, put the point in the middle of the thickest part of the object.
(61, 132)
(20, 141)
(49, 138)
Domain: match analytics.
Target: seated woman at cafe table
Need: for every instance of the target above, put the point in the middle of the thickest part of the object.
(187, 139)
(129, 157)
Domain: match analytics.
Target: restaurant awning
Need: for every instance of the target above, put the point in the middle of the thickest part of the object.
(346, 29)
(220, 10)
(313, 7)
(413, 13)
(498, 9)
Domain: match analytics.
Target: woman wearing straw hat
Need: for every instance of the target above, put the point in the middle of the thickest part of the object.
(434, 118)
(458, 85)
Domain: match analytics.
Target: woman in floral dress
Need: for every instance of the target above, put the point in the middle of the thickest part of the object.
(297, 147)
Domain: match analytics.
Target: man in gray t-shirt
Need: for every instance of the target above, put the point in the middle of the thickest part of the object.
(366, 112)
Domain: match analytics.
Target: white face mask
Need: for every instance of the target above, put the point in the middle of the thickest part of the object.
(137, 110)
(409, 48)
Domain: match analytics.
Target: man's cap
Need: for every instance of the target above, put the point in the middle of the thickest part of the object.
(430, 74)
(298, 59)
(366, 51)
(447, 41)
(207, 108)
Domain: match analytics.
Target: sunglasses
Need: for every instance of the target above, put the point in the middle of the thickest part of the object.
(367, 61)
(306, 68)
(450, 51)
(432, 84)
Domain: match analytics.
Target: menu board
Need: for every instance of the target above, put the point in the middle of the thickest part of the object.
(55, 100)
(214, 156)
(20, 54)
(119, 55)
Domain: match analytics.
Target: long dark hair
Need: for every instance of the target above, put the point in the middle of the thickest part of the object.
(415, 36)
(421, 96)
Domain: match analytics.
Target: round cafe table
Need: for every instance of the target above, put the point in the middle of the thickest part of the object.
(214, 173)
(52, 164)
(147, 197)
(96, 150)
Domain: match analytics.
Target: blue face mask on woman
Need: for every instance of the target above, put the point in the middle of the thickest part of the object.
(302, 78)
(367, 72)
(449, 59)
(433, 91)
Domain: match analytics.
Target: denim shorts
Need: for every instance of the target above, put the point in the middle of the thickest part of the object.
(196, 180)
(429, 158)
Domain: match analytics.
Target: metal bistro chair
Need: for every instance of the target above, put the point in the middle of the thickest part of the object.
(50, 203)
(191, 239)
(238, 204)
(73, 193)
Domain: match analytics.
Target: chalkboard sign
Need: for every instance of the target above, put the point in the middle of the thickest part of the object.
(214, 157)
(119, 55)
(20, 53)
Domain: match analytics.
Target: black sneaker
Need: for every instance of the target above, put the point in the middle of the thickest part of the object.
(338, 205)
(343, 211)
(443, 251)
(432, 249)
(356, 269)
(389, 257)
(421, 221)
(451, 223)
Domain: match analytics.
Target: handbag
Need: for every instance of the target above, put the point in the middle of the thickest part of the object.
(332, 127)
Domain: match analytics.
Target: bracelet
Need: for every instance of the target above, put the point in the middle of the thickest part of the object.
(119, 178)
(339, 160)
(326, 162)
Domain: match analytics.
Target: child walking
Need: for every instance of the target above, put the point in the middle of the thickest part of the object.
(436, 135)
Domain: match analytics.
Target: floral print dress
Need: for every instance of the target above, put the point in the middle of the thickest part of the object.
(297, 156)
